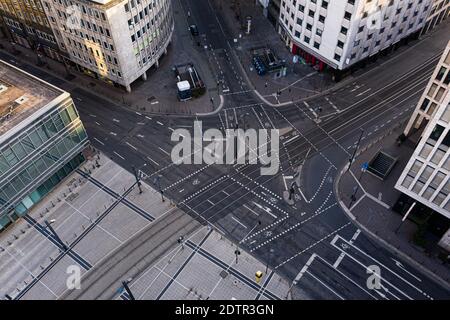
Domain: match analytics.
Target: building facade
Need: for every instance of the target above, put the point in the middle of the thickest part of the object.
(113, 40)
(426, 177)
(340, 34)
(41, 140)
(439, 12)
(26, 24)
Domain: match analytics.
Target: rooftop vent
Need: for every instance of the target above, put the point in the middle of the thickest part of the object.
(21, 100)
(3, 88)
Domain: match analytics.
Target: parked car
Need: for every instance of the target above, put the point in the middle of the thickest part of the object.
(194, 30)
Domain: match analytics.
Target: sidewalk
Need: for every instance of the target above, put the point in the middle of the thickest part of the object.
(372, 208)
(156, 95)
(301, 81)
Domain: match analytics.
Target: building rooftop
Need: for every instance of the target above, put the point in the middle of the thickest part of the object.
(21, 95)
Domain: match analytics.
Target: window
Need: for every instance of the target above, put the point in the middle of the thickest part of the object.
(344, 30)
(436, 133)
(316, 45)
(441, 73)
(340, 44)
(347, 15)
(337, 57)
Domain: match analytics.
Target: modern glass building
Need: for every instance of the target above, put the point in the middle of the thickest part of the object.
(41, 140)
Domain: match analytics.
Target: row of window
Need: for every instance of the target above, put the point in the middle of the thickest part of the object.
(33, 139)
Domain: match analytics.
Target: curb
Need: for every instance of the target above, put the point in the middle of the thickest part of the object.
(216, 111)
(380, 240)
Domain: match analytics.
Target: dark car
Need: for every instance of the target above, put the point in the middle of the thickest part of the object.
(194, 30)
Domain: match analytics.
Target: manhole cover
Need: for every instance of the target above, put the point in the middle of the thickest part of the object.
(223, 274)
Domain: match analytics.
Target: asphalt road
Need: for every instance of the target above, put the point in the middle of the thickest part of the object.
(312, 243)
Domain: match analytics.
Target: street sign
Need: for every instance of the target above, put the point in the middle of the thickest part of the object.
(364, 166)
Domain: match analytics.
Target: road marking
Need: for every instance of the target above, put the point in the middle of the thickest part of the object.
(360, 94)
(225, 192)
(140, 136)
(113, 133)
(92, 115)
(342, 255)
(154, 102)
(152, 160)
(380, 264)
(164, 151)
(400, 265)
(333, 105)
(304, 269)
(97, 123)
(268, 210)
(181, 191)
(148, 118)
(239, 222)
(161, 124)
(99, 141)
(291, 139)
(138, 113)
(79, 99)
(130, 145)
(171, 129)
(116, 120)
(251, 210)
(212, 203)
(119, 155)
(325, 285)
(310, 109)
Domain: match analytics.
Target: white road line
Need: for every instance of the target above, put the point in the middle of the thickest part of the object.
(161, 124)
(116, 120)
(154, 102)
(97, 123)
(164, 151)
(291, 139)
(239, 222)
(268, 210)
(171, 129)
(332, 104)
(225, 192)
(119, 155)
(347, 277)
(251, 210)
(342, 255)
(152, 160)
(326, 286)
(304, 269)
(181, 191)
(310, 109)
(113, 133)
(99, 141)
(366, 267)
(131, 146)
(212, 203)
(92, 115)
(148, 118)
(360, 94)
(138, 113)
(400, 265)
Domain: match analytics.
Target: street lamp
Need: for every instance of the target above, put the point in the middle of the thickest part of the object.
(138, 176)
(356, 149)
(55, 235)
(127, 288)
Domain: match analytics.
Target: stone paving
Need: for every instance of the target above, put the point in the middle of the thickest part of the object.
(187, 273)
(77, 204)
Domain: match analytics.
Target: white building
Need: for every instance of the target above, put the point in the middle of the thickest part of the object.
(426, 177)
(439, 12)
(113, 40)
(341, 33)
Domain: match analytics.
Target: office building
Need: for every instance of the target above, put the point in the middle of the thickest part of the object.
(113, 40)
(337, 35)
(41, 140)
(426, 177)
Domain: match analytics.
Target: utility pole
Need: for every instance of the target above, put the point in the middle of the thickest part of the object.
(356, 149)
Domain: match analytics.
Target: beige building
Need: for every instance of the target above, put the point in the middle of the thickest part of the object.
(426, 177)
(113, 40)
